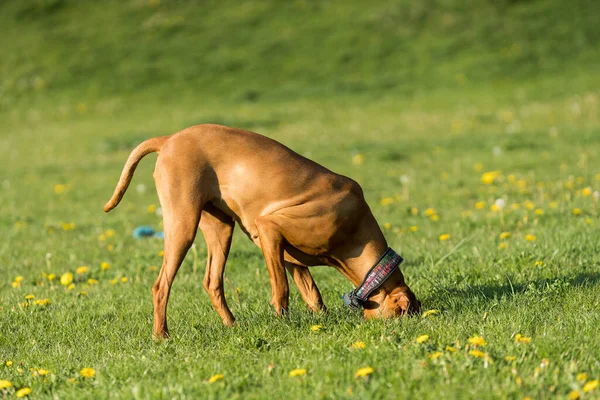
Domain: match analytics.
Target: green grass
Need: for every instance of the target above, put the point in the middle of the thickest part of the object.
(432, 96)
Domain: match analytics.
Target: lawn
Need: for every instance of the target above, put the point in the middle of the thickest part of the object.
(474, 132)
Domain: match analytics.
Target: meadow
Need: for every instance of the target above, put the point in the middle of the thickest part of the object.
(474, 132)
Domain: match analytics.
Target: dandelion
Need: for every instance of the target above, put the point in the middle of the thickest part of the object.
(504, 235)
(435, 218)
(18, 278)
(358, 345)
(444, 236)
(539, 211)
(577, 211)
(387, 225)
(582, 376)
(574, 395)
(82, 270)
(478, 354)
(15, 284)
(362, 372)
(538, 264)
(451, 349)
(42, 372)
(434, 355)
(502, 245)
(104, 266)
(316, 328)
(477, 341)
(29, 297)
(480, 205)
(51, 277)
(124, 279)
(92, 281)
(530, 238)
(414, 228)
(298, 372)
(71, 286)
(151, 209)
(587, 191)
(114, 281)
(216, 378)
(87, 372)
(110, 247)
(4, 384)
(59, 188)
(591, 385)
(588, 221)
(358, 159)
(386, 201)
(23, 392)
(8, 363)
(522, 339)
(66, 279)
(510, 358)
(515, 206)
(429, 212)
(414, 210)
(430, 312)
(43, 302)
(422, 339)
(161, 253)
(488, 178)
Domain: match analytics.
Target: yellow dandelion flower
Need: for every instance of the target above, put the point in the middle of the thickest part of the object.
(102, 237)
(429, 212)
(495, 208)
(522, 339)
(4, 384)
(59, 188)
(42, 302)
(358, 159)
(530, 238)
(151, 209)
(109, 233)
(539, 211)
(444, 236)
(29, 297)
(587, 191)
(504, 235)
(105, 266)
(577, 211)
(502, 245)
(66, 279)
(435, 217)
(110, 247)
(316, 328)
(451, 349)
(477, 341)
(358, 345)
(15, 284)
(591, 385)
(161, 253)
(87, 372)
(574, 395)
(23, 392)
(480, 205)
(71, 286)
(362, 372)
(387, 225)
(588, 221)
(422, 339)
(510, 358)
(414, 228)
(42, 372)
(414, 210)
(386, 201)
(478, 354)
(124, 279)
(71, 380)
(430, 312)
(92, 281)
(51, 277)
(216, 378)
(538, 264)
(582, 376)
(8, 363)
(82, 294)
(515, 206)
(297, 372)
(488, 178)
(114, 281)
(434, 355)
(82, 270)
(18, 278)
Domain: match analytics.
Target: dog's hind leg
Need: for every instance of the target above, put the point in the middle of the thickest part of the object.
(217, 229)
(306, 286)
(181, 205)
(271, 243)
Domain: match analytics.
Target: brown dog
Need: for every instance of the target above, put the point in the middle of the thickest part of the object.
(299, 213)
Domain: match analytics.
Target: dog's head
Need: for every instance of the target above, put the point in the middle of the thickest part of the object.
(393, 299)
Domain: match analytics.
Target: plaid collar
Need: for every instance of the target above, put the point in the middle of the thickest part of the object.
(388, 263)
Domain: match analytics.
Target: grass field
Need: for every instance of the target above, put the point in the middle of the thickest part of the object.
(474, 131)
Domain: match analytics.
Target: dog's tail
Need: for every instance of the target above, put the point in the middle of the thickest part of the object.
(149, 146)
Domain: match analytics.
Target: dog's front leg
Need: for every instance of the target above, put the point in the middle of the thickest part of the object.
(271, 243)
(306, 286)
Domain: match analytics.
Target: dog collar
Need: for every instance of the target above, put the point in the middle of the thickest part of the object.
(377, 275)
